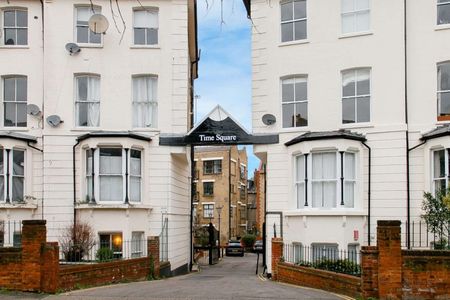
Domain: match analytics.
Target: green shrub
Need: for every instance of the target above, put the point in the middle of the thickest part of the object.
(104, 254)
(344, 266)
(248, 240)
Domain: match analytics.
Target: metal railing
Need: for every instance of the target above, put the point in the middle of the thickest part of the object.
(10, 233)
(422, 237)
(324, 257)
(102, 251)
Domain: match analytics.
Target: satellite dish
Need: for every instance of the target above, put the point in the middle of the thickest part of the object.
(54, 120)
(72, 48)
(98, 23)
(33, 109)
(269, 119)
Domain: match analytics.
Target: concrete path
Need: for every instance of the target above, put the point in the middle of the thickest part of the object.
(232, 278)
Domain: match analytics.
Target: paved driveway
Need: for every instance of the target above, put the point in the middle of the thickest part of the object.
(233, 278)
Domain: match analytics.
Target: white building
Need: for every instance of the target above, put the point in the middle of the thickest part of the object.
(342, 77)
(114, 98)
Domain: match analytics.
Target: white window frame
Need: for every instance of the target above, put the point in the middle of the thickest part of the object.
(3, 27)
(439, 90)
(336, 179)
(97, 10)
(16, 103)
(354, 12)
(300, 201)
(356, 96)
(299, 78)
(77, 102)
(97, 175)
(137, 244)
(151, 102)
(294, 20)
(152, 9)
(208, 207)
(446, 170)
(5, 172)
(438, 5)
(346, 180)
(111, 242)
(140, 176)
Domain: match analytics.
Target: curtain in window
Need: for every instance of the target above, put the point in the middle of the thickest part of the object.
(144, 102)
(349, 179)
(135, 176)
(355, 16)
(88, 101)
(324, 180)
(146, 27)
(2, 177)
(18, 174)
(300, 180)
(439, 173)
(111, 177)
(443, 74)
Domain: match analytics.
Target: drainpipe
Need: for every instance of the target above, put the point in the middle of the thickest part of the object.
(74, 188)
(369, 187)
(191, 246)
(43, 100)
(229, 193)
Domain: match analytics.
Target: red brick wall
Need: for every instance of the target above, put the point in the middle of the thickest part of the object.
(11, 268)
(277, 253)
(369, 274)
(320, 279)
(426, 274)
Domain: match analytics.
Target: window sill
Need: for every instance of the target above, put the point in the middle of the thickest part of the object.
(105, 206)
(146, 129)
(442, 27)
(23, 129)
(14, 47)
(295, 129)
(90, 45)
(357, 125)
(291, 43)
(78, 129)
(355, 34)
(145, 47)
(320, 212)
(18, 205)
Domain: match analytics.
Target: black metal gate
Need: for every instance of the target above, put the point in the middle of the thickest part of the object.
(213, 245)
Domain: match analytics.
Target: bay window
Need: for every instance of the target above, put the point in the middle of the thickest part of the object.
(355, 16)
(443, 90)
(145, 103)
(15, 27)
(356, 96)
(113, 175)
(439, 170)
(12, 175)
(325, 180)
(87, 101)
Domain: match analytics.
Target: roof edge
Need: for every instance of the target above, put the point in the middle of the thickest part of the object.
(113, 134)
(333, 135)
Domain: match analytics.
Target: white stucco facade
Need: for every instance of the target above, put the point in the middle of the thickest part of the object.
(51, 74)
(322, 56)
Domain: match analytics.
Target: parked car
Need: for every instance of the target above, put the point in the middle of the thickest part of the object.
(234, 248)
(258, 246)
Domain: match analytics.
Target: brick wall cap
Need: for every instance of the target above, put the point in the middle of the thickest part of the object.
(34, 222)
(277, 240)
(4, 250)
(388, 223)
(432, 253)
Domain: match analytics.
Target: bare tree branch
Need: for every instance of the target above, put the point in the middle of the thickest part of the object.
(114, 16)
(123, 21)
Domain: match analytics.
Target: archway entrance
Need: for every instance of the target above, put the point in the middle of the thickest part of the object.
(217, 129)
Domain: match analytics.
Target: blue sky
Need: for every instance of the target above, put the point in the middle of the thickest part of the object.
(225, 65)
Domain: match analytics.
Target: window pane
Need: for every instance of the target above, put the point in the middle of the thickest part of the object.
(349, 194)
(111, 188)
(94, 38)
(18, 162)
(348, 23)
(139, 36)
(82, 88)
(363, 109)
(362, 21)
(9, 89)
(439, 163)
(300, 9)
(2, 194)
(301, 114)
(444, 77)
(300, 195)
(444, 100)
(300, 30)
(348, 83)
(135, 189)
(111, 161)
(288, 115)
(348, 110)
(89, 162)
(10, 114)
(22, 37)
(349, 165)
(301, 89)
(363, 82)
(1, 164)
(10, 36)
(22, 18)
(362, 4)
(316, 194)
(300, 167)
(348, 5)
(287, 32)
(82, 34)
(9, 19)
(17, 189)
(439, 185)
(21, 115)
(329, 165)
(152, 36)
(82, 114)
(287, 90)
(329, 194)
(21, 85)
(287, 12)
(443, 14)
(135, 164)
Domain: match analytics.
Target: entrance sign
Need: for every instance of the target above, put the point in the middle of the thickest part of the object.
(218, 128)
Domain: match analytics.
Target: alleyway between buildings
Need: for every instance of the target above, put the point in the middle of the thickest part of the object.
(232, 278)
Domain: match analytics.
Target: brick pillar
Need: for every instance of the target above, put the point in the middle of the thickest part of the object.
(153, 250)
(33, 238)
(50, 268)
(277, 253)
(369, 272)
(389, 260)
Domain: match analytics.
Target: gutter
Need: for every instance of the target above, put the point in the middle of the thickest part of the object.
(408, 179)
(74, 188)
(369, 188)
